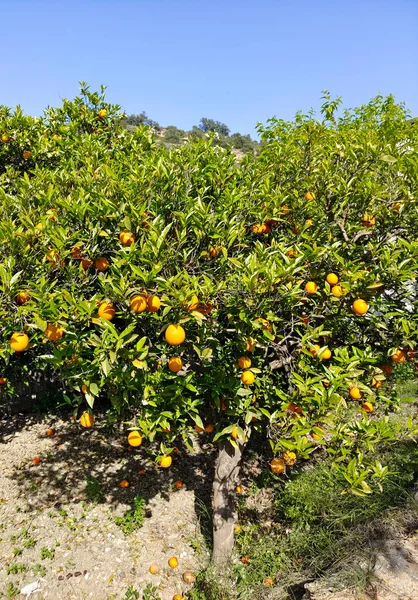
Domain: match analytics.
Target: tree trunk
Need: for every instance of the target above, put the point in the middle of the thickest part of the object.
(226, 473)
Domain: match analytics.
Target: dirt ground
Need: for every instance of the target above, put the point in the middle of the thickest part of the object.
(57, 517)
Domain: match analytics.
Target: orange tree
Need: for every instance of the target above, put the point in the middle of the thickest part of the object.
(194, 293)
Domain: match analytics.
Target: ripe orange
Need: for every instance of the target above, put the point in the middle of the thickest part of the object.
(124, 484)
(261, 228)
(54, 332)
(311, 287)
(173, 562)
(36, 460)
(26, 154)
(215, 251)
(22, 297)
(86, 419)
(175, 364)
(289, 457)
(209, 428)
(3, 380)
(5, 138)
(399, 356)
(50, 432)
(326, 354)
(235, 433)
(360, 306)
(126, 237)
(19, 342)
(178, 484)
(178, 597)
(368, 407)
(154, 569)
(368, 220)
(102, 113)
(355, 393)
(332, 278)
(175, 335)
(134, 439)
(337, 291)
(194, 303)
(166, 461)
(244, 362)
(86, 263)
(315, 350)
(239, 489)
(153, 303)
(248, 378)
(107, 311)
(102, 264)
(309, 196)
(138, 303)
(277, 465)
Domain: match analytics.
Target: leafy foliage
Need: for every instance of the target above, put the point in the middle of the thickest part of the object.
(133, 519)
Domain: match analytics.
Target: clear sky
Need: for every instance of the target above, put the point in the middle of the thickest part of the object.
(235, 61)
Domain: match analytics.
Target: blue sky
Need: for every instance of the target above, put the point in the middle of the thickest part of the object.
(235, 61)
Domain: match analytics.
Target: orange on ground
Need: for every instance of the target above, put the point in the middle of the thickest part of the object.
(360, 306)
(209, 428)
(311, 287)
(86, 420)
(355, 393)
(124, 484)
(173, 562)
(153, 303)
(154, 569)
(107, 311)
(178, 597)
(36, 460)
(332, 278)
(134, 439)
(178, 484)
(22, 297)
(175, 335)
(138, 303)
(244, 362)
(309, 196)
(189, 577)
(50, 432)
(277, 465)
(326, 354)
(102, 264)
(86, 263)
(289, 457)
(337, 291)
(175, 364)
(367, 406)
(399, 356)
(234, 433)
(54, 332)
(248, 378)
(19, 342)
(126, 237)
(166, 461)
(238, 489)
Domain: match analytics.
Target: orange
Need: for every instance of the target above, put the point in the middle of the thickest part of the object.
(50, 432)
(134, 439)
(153, 303)
(86, 263)
(309, 196)
(244, 362)
(209, 428)
(26, 154)
(315, 350)
(368, 407)
(154, 569)
(124, 484)
(332, 278)
(326, 354)
(235, 433)
(102, 113)
(261, 228)
(178, 484)
(268, 582)
(194, 303)
(239, 489)
(84, 388)
(19, 342)
(22, 297)
(138, 303)
(36, 460)
(277, 465)
(175, 364)
(173, 562)
(355, 393)
(5, 138)
(178, 597)
(289, 458)
(86, 420)
(189, 577)
(215, 251)
(337, 291)
(3, 380)
(166, 461)
(368, 220)
(54, 332)
(126, 237)
(247, 378)
(399, 356)
(245, 559)
(360, 306)
(223, 405)
(198, 429)
(294, 408)
(102, 264)
(175, 335)
(311, 287)
(107, 311)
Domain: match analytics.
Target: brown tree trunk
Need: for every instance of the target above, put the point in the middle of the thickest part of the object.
(226, 473)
